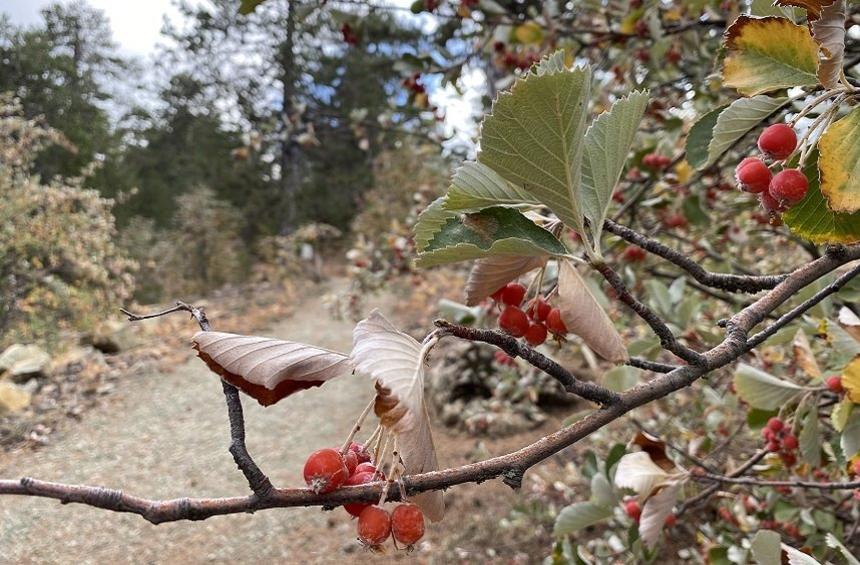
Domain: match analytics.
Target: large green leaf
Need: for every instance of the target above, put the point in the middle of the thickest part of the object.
(607, 143)
(839, 163)
(850, 440)
(766, 548)
(763, 390)
(810, 438)
(477, 186)
(493, 231)
(580, 515)
(736, 120)
(815, 221)
(533, 137)
(430, 221)
(766, 54)
(699, 138)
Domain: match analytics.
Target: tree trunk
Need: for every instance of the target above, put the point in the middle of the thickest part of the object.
(291, 174)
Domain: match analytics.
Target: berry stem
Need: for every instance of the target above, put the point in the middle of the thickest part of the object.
(826, 117)
(815, 102)
(357, 426)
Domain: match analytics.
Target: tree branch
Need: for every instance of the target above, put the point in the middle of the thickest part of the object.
(723, 281)
(515, 348)
(667, 338)
(752, 481)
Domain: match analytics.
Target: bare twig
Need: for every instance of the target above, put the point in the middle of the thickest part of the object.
(752, 481)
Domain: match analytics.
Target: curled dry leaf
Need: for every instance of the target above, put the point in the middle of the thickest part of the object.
(826, 20)
(850, 322)
(657, 508)
(804, 356)
(492, 273)
(584, 316)
(656, 450)
(396, 362)
(638, 472)
(268, 369)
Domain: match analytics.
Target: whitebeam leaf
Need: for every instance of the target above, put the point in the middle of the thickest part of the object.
(430, 222)
(607, 143)
(492, 273)
(657, 508)
(268, 369)
(637, 471)
(766, 548)
(763, 390)
(829, 32)
(533, 137)
(579, 515)
(810, 438)
(477, 186)
(833, 541)
(396, 362)
(584, 316)
(797, 557)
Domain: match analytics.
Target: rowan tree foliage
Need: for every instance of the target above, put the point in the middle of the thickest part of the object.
(667, 190)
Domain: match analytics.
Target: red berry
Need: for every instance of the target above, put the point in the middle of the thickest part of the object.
(777, 141)
(555, 323)
(497, 296)
(770, 204)
(753, 175)
(360, 452)
(513, 294)
(775, 424)
(834, 384)
(856, 466)
(633, 254)
(789, 442)
(407, 523)
(773, 446)
(374, 526)
(788, 459)
(514, 321)
(676, 220)
(325, 470)
(535, 334)
(365, 467)
(789, 186)
(538, 309)
(356, 508)
(632, 508)
(655, 161)
(767, 434)
(671, 520)
(350, 459)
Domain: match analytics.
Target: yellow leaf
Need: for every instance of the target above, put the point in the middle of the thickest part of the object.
(766, 54)
(851, 380)
(529, 33)
(839, 163)
(683, 171)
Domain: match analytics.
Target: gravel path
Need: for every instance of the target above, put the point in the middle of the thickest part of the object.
(164, 436)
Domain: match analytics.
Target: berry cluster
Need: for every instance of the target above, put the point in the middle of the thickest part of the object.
(777, 193)
(780, 440)
(535, 322)
(656, 162)
(327, 470)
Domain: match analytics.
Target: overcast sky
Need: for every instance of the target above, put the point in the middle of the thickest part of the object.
(137, 25)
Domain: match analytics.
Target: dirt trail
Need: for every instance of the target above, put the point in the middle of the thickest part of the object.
(164, 436)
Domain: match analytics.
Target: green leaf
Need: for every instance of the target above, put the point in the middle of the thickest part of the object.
(607, 144)
(850, 440)
(833, 542)
(579, 515)
(621, 378)
(839, 164)
(737, 120)
(551, 64)
(430, 221)
(477, 186)
(840, 414)
(758, 62)
(763, 390)
(533, 137)
(602, 492)
(493, 231)
(766, 548)
(699, 138)
(813, 219)
(248, 6)
(810, 438)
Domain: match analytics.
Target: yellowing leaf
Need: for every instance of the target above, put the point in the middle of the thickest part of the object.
(851, 380)
(396, 362)
(839, 163)
(804, 356)
(766, 54)
(813, 7)
(268, 369)
(492, 273)
(529, 33)
(840, 414)
(584, 316)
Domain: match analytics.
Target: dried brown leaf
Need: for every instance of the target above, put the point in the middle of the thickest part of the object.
(492, 273)
(656, 450)
(803, 355)
(584, 316)
(268, 369)
(850, 322)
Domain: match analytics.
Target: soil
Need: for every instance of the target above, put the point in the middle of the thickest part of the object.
(164, 435)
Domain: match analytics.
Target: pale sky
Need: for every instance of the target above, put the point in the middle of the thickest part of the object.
(137, 25)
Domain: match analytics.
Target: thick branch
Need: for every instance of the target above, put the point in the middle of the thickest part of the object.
(515, 348)
(667, 338)
(723, 281)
